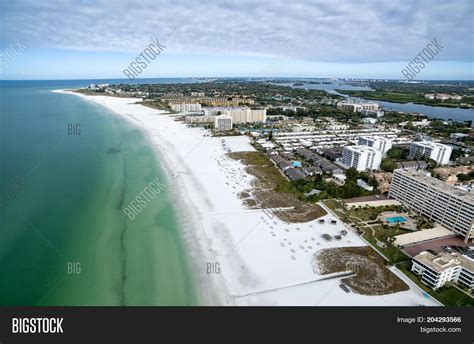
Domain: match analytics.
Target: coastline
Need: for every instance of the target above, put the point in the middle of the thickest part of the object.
(261, 260)
(208, 294)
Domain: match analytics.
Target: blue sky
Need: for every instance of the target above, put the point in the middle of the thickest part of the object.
(63, 39)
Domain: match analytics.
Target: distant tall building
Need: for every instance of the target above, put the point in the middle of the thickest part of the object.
(362, 158)
(438, 201)
(383, 144)
(223, 123)
(431, 150)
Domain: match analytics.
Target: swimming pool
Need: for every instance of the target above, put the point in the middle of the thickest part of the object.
(395, 219)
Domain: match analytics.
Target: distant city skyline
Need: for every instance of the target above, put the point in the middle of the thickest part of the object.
(345, 39)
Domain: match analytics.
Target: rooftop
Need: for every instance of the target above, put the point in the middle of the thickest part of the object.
(425, 179)
(429, 144)
(445, 260)
(362, 149)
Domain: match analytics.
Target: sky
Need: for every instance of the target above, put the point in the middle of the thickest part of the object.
(63, 39)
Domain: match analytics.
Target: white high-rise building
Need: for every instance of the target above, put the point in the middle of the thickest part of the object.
(432, 150)
(362, 158)
(440, 202)
(223, 123)
(383, 144)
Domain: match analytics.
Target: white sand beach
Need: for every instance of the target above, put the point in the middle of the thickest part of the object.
(262, 260)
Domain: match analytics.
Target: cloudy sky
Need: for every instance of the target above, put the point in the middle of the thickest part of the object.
(65, 39)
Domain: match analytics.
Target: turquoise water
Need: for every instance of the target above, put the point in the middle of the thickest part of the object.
(395, 219)
(64, 239)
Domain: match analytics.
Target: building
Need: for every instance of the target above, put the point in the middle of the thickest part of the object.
(210, 101)
(443, 96)
(364, 185)
(186, 107)
(383, 144)
(458, 136)
(294, 174)
(197, 94)
(417, 165)
(430, 150)
(223, 123)
(239, 114)
(200, 119)
(357, 107)
(437, 270)
(438, 201)
(369, 120)
(362, 158)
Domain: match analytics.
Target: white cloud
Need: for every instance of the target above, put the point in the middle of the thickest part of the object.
(329, 31)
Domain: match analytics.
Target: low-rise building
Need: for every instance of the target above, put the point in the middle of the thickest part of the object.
(357, 107)
(199, 119)
(294, 174)
(437, 270)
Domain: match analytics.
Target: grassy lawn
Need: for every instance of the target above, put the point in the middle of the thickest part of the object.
(361, 217)
(393, 253)
(447, 296)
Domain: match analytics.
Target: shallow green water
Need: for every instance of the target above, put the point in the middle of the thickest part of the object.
(62, 201)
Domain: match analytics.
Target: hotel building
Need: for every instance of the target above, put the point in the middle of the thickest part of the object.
(438, 201)
(437, 270)
(383, 144)
(362, 158)
(432, 150)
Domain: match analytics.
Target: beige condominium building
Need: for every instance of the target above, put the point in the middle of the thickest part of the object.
(438, 201)
(238, 114)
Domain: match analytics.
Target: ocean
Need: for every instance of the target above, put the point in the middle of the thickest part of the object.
(68, 168)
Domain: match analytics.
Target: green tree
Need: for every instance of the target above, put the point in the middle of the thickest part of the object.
(352, 174)
(388, 165)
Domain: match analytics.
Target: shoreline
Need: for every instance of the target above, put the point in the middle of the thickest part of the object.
(260, 259)
(206, 295)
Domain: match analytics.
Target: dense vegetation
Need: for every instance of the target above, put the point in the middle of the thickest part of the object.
(329, 189)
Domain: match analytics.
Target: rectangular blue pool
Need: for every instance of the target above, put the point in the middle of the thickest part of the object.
(395, 219)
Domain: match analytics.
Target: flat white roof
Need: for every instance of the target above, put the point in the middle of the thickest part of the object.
(423, 235)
